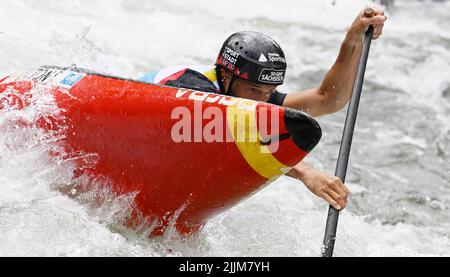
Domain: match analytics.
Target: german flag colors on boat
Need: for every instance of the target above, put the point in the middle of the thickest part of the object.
(187, 155)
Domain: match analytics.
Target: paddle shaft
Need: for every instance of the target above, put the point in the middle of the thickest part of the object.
(346, 143)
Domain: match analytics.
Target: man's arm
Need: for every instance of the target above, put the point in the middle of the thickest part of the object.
(336, 88)
(329, 188)
(332, 95)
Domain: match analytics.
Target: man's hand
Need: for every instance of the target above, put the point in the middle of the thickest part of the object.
(329, 188)
(362, 22)
(336, 88)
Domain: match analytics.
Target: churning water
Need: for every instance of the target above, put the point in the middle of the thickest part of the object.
(399, 171)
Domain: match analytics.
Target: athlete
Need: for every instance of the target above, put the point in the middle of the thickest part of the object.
(251, 65)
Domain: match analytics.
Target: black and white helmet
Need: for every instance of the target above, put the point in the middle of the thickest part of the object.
(254, 57)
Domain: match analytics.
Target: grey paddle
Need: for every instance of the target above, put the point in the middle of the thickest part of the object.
(344, 151)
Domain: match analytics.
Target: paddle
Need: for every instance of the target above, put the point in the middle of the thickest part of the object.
(344, 151)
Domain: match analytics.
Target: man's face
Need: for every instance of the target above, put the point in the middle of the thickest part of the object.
(249, 90)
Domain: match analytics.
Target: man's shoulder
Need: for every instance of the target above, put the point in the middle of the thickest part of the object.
(196, 77)
(157, 76)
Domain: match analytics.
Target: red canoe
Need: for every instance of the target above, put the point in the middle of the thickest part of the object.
(187, 155)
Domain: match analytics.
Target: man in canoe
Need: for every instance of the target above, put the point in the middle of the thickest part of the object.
(251, 65)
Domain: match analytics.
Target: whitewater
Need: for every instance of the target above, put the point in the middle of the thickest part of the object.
(399, 170)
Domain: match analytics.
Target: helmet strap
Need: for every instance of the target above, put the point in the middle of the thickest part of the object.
(220, 79)
(230, 85)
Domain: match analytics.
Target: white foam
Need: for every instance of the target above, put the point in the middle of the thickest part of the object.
(133, 37)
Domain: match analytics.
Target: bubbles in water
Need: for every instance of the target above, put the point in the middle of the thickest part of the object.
(401, 185)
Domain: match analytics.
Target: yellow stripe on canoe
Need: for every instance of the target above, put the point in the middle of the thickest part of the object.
(243, 127)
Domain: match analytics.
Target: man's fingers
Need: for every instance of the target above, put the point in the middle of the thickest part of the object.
(347, 192)
(378, 31)
(338, 191)
(376, 20)
(378, 11)
(338, 198)
(331, 201)
(339, 187)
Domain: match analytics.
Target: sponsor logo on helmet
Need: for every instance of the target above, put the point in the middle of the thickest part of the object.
(229, 57)
(275, 57)
(271, 76)
(262, 58)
